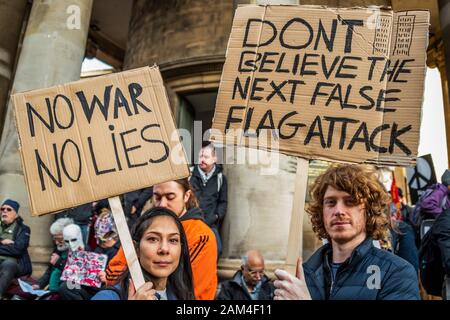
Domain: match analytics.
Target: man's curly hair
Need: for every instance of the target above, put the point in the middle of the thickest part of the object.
(360, 182)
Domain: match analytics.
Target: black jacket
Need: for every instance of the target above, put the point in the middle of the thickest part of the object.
(80, 214)
(193, 213)
(440, 232)
(356, 278)
(212, 202)
(138, 199)
(234, 289)
(19, 249)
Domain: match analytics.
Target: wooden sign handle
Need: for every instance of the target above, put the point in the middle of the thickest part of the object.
(295, 241)
(126, 242)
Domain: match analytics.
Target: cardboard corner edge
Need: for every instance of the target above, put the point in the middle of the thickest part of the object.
(14, 100)
(152, 67)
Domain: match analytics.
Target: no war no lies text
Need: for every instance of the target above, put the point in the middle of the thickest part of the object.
(65, 158)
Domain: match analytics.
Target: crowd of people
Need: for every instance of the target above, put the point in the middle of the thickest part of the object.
(374, 248)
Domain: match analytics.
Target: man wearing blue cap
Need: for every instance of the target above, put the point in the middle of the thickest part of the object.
(14, 241)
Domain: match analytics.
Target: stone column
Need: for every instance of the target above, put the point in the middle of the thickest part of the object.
(11, 19)
(444, 17)
(52, 52)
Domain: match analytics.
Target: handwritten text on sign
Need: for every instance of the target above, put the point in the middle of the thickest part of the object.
(96, 138)
(334, 85)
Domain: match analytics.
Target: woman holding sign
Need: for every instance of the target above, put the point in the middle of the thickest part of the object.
(178, 196)
(162, 251)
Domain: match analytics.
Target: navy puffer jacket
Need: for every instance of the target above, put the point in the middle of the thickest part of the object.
(369, 274)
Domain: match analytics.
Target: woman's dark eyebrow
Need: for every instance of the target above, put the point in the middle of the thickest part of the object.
(159, 233)
(149, 232)
(174, 234)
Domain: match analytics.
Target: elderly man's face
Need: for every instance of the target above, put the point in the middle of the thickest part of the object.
(8, 214)
(253, 272)
(58, 239)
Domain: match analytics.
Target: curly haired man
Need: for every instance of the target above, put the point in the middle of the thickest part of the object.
(349, 209)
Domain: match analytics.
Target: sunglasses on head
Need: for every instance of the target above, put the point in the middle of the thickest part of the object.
(6, 209)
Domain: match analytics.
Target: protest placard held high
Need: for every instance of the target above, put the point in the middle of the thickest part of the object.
(96, 138)
(337, 84)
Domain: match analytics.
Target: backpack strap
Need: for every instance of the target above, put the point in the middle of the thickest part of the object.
(219, 181)
(191, 169)
(444, 202)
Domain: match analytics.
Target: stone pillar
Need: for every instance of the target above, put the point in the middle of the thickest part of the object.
(11, 19)
(52, 52)
(444, 68)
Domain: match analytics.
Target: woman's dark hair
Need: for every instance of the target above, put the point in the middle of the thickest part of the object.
(180, 281)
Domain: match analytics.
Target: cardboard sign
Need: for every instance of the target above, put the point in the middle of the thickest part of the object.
(83, 267)
(337, 84)
(96, 138)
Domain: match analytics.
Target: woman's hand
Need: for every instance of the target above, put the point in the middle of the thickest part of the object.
(145, 292)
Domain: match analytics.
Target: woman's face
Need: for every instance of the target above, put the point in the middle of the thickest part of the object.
(160, 248)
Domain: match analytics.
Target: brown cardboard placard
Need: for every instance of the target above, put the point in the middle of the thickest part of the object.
(97, 138)
(340, 84)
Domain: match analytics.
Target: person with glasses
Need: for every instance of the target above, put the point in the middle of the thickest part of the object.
(249, 283)
(14, 241)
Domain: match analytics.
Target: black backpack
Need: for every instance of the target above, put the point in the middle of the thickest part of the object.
(431, 269)
(418, 214)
